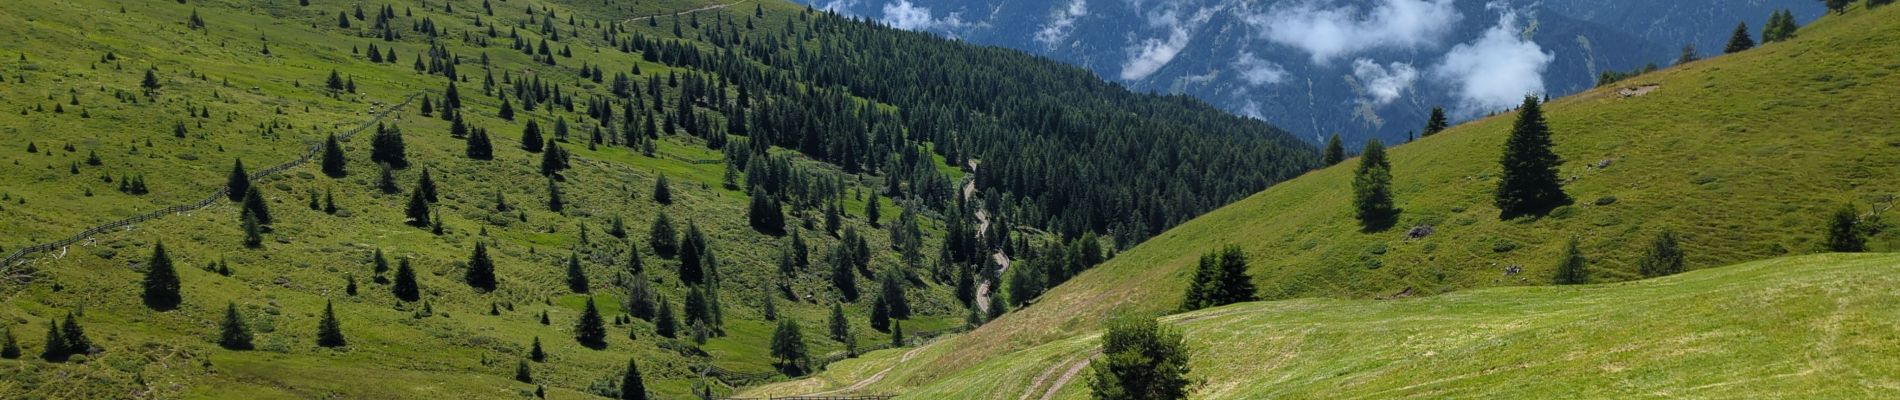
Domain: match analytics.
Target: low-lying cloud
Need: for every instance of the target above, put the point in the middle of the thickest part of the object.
(1149, 55)
(1495, 71)
(1257, 71)
(907, 16)
(1327, 32)
(1061, 22)
(1381, 84)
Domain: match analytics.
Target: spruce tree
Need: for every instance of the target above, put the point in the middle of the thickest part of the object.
(1372, 189)
(9, 347)
(55, 350)
(334, 163)
(523, 373)
(666, 324)
(576, 277)
(897, 333)
(1529, 184)
(233, 334)
(766, 216)
(591, 330)
(840, 328)
(75, 336)
(329, 330)
(531, 137)
(406, 288)
(1335, 151)
(1437, 123)
(555, 202)
(1141, 360)
(553, 159)
(426, 185)
(481, 270)
(892, 290)
(661, 237)
(640, 297)
(1739, 41)
(1664, 256)
(788, 348)
(479, 147)
(535, 353)
(161, 281)
(379, 262)
(632, 387)
(661, 193)
(418, 209)
(238, 183)
(1572, 269)
(1844, 233)
(844, 279)
(253, 231)
(871, 209)
(769, 309)
(880, 318)
(254, 203)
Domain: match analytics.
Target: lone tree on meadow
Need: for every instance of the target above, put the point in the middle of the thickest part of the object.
(1372, 189)
(576, 276)
(405, 287)
(591, 330)
(481, 269)
(1844, 233)
(1220, 279)
(632, 387)
(329, 330)
(661, 192)
(1437, 123)
(1664, 256)
(238, 183)
(233, 334)
(1739, 41)
(334, 163)
(161, 281)
(1141, 360)
(1529, 183)
(386, 147)
(1572, 270)
(788, 348)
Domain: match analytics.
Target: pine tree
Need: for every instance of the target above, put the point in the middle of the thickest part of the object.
(426, 186)
(150, 84)
(329, 330)
(386, 181)
(349, 286)
(523, 373)
(1739, 41)
(379, 262)
(1335, 151)
(1437, 123)
(531, 137)
(1372, 189)
(1572, 270)
(555, 202)
(880, 318)
(635, 264)
(233, 334)
(9, 347)
(769, 309)
(334, 163)
(75, 336)
(334, 83)
(632, 387)
(591, 330)
(535, 353)
(640, 297)
(871, 213)
(661, 193)
(665, 324)
(253, 231)
(892, 290)
(661, 236)
(1844, 233)
(254, 204)
(840, 328)
(765, 215)
(406, 288)
(161, 281)
(788, 348)
(844, 279)
(55, 350)
(1141, 360)
(481, 270)
(897, 333)
(418, 209)
(1529, 182)
(479, 147)
(1664, 256)
(553, 160)
(576, 277)
(238, 183)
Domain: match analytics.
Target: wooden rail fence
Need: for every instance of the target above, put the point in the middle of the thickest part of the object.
(18, 256)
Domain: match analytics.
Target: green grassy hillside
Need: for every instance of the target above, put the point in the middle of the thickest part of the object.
(1814, 326)
(1743, 155)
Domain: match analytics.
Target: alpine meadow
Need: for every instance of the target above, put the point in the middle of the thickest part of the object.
(770, 199)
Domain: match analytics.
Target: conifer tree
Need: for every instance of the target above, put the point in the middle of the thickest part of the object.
(553, 160)
(253, 231)
(426, 185)
(880, 314)
(75, 337)
(1664, 256)
(576, 277)
(892, 290)
(161, 281)
(997, 305)
(1844, 233)
(1335, 151)
(535, 353)
(1220, 279)
(334, 163)
(531, 137)
(770, 308)
(238, 183)
(632, 387)
(871, 207)
(666, 324)
(1141, 360)
(55, 350)
(897, 333)
(1372, 189)
(379, 262)
(845, 280)
(591, 330)
(254, 203)
(406, 288)
(640, 297)
(523, 373)
(1529, 183)
(481, 270)
(1572, 270)
(150, 84)
(661, 236)
(555, 202)
(9, 347)
(1437, 123)
(840, 328)
(329, 330)
(233, 334)
(788, 348)
(1739, 41)
(635, 264)
(661, 193)
(418, 209)
(766, 216)
(479, 147)
(386, 182)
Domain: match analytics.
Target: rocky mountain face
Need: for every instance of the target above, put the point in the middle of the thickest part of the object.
(1359, 68)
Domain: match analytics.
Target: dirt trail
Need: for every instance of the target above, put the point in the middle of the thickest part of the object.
(1075, 368)
(706, 8)
(874, 378)
(983, 227)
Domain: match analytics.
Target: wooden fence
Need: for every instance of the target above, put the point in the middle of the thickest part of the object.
(18, 256)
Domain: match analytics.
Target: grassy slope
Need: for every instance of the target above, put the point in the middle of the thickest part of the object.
(460, 353)
(1743, 155)
(1815, 326)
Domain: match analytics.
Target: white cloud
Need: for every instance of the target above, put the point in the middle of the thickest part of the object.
(1383, 84)
(1327, 32)
(1257, 71)
(907, 16)
(1061, 22)
(1149, 55)
(840, 6)
(1497, 70)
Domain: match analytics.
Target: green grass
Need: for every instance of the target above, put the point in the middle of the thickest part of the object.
(272, 108)
(1743, 155)
(1816, 326)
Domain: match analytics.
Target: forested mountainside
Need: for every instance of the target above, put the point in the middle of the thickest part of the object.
(1359, 68)
(1770, 152)
(486, 198)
